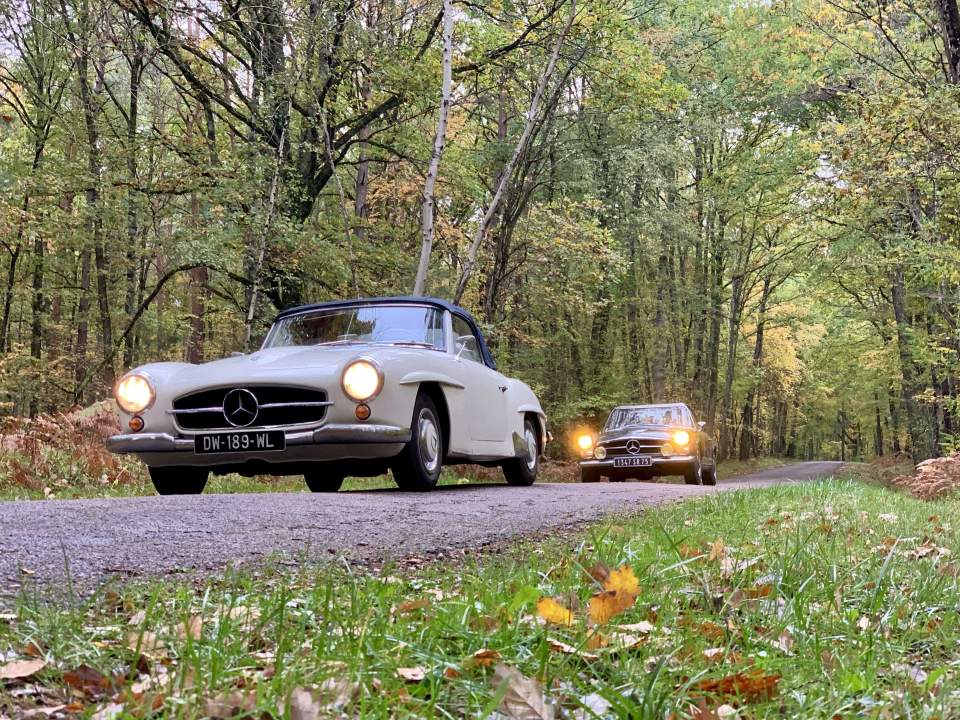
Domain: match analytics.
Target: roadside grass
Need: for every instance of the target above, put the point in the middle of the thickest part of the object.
(820, 600)
(67, 478)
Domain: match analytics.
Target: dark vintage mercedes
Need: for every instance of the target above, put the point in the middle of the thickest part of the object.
(643, 441)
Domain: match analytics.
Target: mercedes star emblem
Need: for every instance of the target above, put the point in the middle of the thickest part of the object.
(633, 447)
(240, 407)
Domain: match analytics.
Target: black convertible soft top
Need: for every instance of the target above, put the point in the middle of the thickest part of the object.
(401, 299)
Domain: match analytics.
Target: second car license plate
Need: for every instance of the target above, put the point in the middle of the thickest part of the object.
(239, 442)
(631, 462)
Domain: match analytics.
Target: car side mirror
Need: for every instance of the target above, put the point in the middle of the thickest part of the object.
(463, 341)
(701, 424)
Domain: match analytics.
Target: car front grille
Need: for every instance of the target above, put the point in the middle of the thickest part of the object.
(647, 447)
(276, 405)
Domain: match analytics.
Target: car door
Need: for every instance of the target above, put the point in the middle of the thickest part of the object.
(486, 389)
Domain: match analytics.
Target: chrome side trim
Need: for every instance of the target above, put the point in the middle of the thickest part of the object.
(345, 434)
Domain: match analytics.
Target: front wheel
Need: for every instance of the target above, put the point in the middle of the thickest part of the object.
(693, 475)
(323, 482)
(710, 475)
(418, 465)
(179, 480)
(523, 470)
(589, 475)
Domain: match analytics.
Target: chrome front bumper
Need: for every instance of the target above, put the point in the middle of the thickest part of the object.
(327, 435)
(655, 462)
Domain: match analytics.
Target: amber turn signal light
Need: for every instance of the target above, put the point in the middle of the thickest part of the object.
(363, 412)
(136, 423)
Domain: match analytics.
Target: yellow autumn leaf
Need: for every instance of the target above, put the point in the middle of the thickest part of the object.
(608, 604)
(553, 612)
(623, 580)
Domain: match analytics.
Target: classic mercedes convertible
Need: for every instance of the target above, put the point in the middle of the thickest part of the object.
(642, 441)
(338, 388)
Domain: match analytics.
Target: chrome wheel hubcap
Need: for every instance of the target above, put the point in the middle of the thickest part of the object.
(429, 441)
(531, 448)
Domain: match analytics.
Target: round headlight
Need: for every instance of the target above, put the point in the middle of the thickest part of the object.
(585, 441)
(600, 452)
(134, 393)
(361, 380)
(681, 437)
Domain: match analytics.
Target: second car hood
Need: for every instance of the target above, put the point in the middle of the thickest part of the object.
(653, 432)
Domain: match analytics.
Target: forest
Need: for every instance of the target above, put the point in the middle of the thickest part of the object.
(751, 206)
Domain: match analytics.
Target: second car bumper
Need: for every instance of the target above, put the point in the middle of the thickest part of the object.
(655, 462)
(335, 434)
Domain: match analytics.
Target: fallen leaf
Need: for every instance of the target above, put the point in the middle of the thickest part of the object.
(553, 612)
(88, 680)
(561, 647)
(484, 657)
(451, 673)
(608, 604)
(336, 693)
(595, 704)
(784, 643)
(137, 618)
(887, 517)
(623, 580)
(226, 705)
(714, 654)
(303, 706)
(411, 674)
(523, 697)
(718, 549)
(599, 572)
(33, 650)
(20, 669)
(110, 711)
(410, 606)
(145, 642)
(749, 686)
(643, 627)
(191, 628)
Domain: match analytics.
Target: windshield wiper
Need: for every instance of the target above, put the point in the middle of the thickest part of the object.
(413, 343)
(339, 342)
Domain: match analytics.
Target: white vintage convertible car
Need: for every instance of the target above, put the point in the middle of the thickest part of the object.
(338, 388)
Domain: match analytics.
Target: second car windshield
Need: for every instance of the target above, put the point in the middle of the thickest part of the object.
(646, 415)
(364, 323)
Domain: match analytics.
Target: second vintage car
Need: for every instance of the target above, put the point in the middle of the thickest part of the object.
(338, 388)
(643, 441)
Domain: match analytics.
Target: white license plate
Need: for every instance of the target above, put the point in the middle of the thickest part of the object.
(631, 462)
(251, 441)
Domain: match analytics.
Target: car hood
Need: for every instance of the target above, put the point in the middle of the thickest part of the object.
(649, 432)
(319, 364)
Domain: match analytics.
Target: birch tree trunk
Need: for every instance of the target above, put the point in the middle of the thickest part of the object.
(439, 141)
(507, 171)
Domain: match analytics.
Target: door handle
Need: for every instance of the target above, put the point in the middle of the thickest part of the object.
(503, 388)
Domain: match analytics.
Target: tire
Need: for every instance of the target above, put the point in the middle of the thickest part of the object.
(710, 475)
(179, 480)
(589, 475)
(323, 482)
(693, 475)
(418, 465)
(523, 471)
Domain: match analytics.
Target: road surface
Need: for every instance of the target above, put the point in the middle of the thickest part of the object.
(43, 542)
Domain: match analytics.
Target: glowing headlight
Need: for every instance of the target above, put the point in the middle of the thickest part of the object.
(134, 394)
(585, 442)
(681, 438)
(361, 380)
(600, 452)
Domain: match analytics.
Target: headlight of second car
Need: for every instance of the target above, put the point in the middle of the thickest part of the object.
(134, 393)
(362, 380)
(680, 438)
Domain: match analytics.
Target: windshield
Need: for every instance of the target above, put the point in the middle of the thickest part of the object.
(361, 324)
(647, 415)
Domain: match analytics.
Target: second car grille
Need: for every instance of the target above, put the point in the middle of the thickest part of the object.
(647, 447)
(275, 405)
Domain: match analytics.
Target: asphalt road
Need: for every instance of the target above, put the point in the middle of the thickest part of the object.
(43, 542)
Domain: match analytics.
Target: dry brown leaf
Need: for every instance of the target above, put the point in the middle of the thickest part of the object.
(643, 627)
(524, 697)
(623, 580)
(303, 706)
(410, 606)
(19, 669)
(137, 618)
(226, 705)
(597, 640)
(145, 642)
(191, 628)
(336, 693)
(33, 650)
(599, 572)
(553, 612)
(484, 657)
(749, 686)
(608, 604)
(110, 711)
(561, 647)
(411, 674)
(718, 549)
(451, 673)
(87, 680)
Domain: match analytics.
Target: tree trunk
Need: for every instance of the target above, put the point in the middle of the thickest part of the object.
(950, 30)
(439, 141)
(747, 445)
